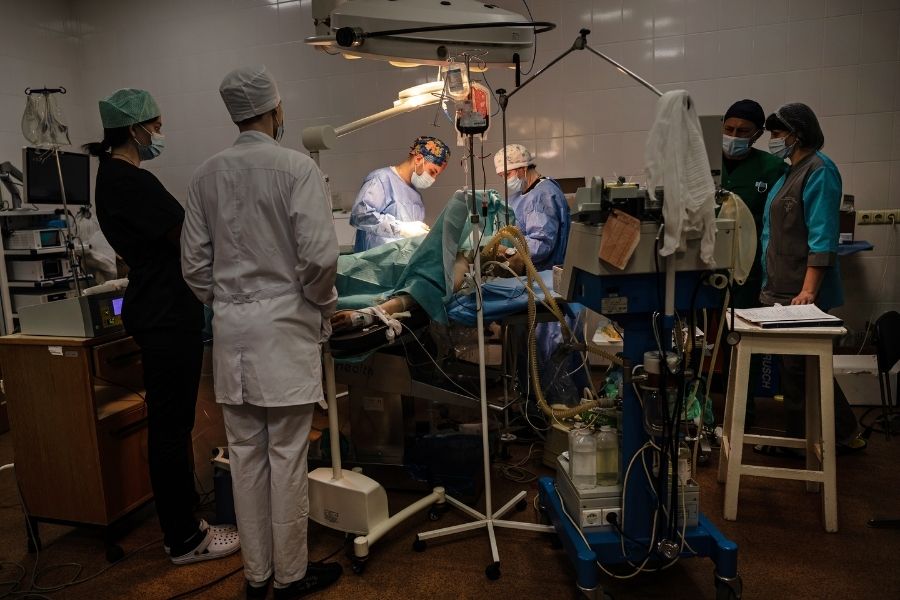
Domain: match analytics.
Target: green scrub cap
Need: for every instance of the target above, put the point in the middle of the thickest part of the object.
(126, 107)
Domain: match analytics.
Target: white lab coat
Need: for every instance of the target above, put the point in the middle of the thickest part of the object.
(258, 244)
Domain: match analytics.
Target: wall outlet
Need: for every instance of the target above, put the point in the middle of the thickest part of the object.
(881, 216)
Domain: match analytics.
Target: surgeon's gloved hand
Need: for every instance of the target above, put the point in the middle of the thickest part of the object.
(410, 229)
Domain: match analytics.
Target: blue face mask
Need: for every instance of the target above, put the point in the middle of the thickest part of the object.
(735, 147)
(154, 148)
(779, 148)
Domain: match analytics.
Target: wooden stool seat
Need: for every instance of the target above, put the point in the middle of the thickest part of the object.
(816, 344)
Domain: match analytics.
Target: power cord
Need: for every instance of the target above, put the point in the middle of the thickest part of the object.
(37, 591)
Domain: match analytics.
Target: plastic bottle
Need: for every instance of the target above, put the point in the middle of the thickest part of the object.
(582, 457)
(607, 456)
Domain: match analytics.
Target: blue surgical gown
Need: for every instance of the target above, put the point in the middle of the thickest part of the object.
(543, 216)
(383, 201)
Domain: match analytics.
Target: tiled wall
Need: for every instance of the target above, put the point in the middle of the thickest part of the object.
(582, 117)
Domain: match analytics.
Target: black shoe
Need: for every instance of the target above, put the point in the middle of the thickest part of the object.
(257, 592)
(318, 577)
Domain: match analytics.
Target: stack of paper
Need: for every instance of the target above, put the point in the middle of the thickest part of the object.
(800, 315)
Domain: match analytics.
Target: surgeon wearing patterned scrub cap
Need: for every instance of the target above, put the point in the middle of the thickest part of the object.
(142, 222)
(389, 204)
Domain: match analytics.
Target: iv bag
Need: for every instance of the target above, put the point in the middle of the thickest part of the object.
(42, 121)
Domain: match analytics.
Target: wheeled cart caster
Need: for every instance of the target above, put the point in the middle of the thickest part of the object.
(114, 553)
(419, 545)
(729, 588)
(357, 566)
(493, 571)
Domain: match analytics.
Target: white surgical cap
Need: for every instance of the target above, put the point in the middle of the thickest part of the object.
(248, 92)
(517, 156)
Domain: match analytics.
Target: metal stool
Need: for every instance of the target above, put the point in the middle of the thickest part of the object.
(816, 344)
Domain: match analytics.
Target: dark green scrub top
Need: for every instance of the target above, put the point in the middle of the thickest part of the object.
(751, 179)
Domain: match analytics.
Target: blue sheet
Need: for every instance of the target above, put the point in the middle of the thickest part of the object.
(502, 297)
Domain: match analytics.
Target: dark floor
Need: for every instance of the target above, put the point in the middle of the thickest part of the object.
(783, 549)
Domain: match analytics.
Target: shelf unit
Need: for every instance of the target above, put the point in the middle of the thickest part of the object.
(24, 219)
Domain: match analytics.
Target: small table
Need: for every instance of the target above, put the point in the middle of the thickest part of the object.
(816, 344)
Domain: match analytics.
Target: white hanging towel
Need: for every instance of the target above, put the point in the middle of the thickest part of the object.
(676, 160)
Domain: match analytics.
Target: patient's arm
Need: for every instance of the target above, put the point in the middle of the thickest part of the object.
(347, 319)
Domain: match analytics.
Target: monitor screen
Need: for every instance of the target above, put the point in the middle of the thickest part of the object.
(42, 177)
(117, 306)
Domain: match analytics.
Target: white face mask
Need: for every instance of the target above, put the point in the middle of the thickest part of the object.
(515, 185)
(422, 181)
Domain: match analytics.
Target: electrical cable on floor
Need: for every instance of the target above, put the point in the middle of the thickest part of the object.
(515, 472)
(37, 591)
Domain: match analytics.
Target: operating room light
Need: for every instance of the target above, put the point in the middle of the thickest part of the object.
(424, 31)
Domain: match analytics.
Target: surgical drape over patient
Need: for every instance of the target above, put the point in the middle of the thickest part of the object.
(421, 267)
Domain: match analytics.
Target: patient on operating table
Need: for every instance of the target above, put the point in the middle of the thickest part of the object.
(511, 261)
(425, 271)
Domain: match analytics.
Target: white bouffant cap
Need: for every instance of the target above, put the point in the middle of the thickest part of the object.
(517, 156)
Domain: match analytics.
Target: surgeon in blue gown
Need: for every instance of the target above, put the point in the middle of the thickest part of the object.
(389, 205)
(542, 214)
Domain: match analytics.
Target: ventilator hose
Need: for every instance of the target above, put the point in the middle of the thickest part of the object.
(489, 252)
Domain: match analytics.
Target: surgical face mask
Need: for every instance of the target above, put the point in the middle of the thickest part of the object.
(422, 181)
(735, 147)
(515, 185)
(779, 147)
(154, 148)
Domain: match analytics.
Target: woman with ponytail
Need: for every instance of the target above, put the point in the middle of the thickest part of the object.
(142, 222)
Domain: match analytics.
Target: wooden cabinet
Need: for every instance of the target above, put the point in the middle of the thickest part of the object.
(79, 426)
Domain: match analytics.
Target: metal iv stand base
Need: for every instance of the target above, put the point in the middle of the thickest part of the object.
(490, 519)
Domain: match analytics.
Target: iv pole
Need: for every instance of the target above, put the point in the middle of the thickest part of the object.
(74, 263)
(490, 518)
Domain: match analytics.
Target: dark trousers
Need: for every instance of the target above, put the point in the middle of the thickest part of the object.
(172, 363)
(793, 386)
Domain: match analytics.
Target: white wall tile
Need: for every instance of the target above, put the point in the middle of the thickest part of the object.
(841, 41)
(804, 86)
(840, 134)
(800, 10)
(805, 44)
(877, 83)
(637, 19)
(841, 98)
(895, 153)
(771, 11)
(701, 15)
(880, 38)
(606, 26)
(668, 18)
(578, 152)
(836, 8)
(700, 52)
(895, 190)
(736, 13)
(578, 111)
(871, 142)
(874, 5)
(770, 48)
(873, 185)
(669, 59)
(735, 55)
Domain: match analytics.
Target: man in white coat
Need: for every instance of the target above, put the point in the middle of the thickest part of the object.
(258, 244)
